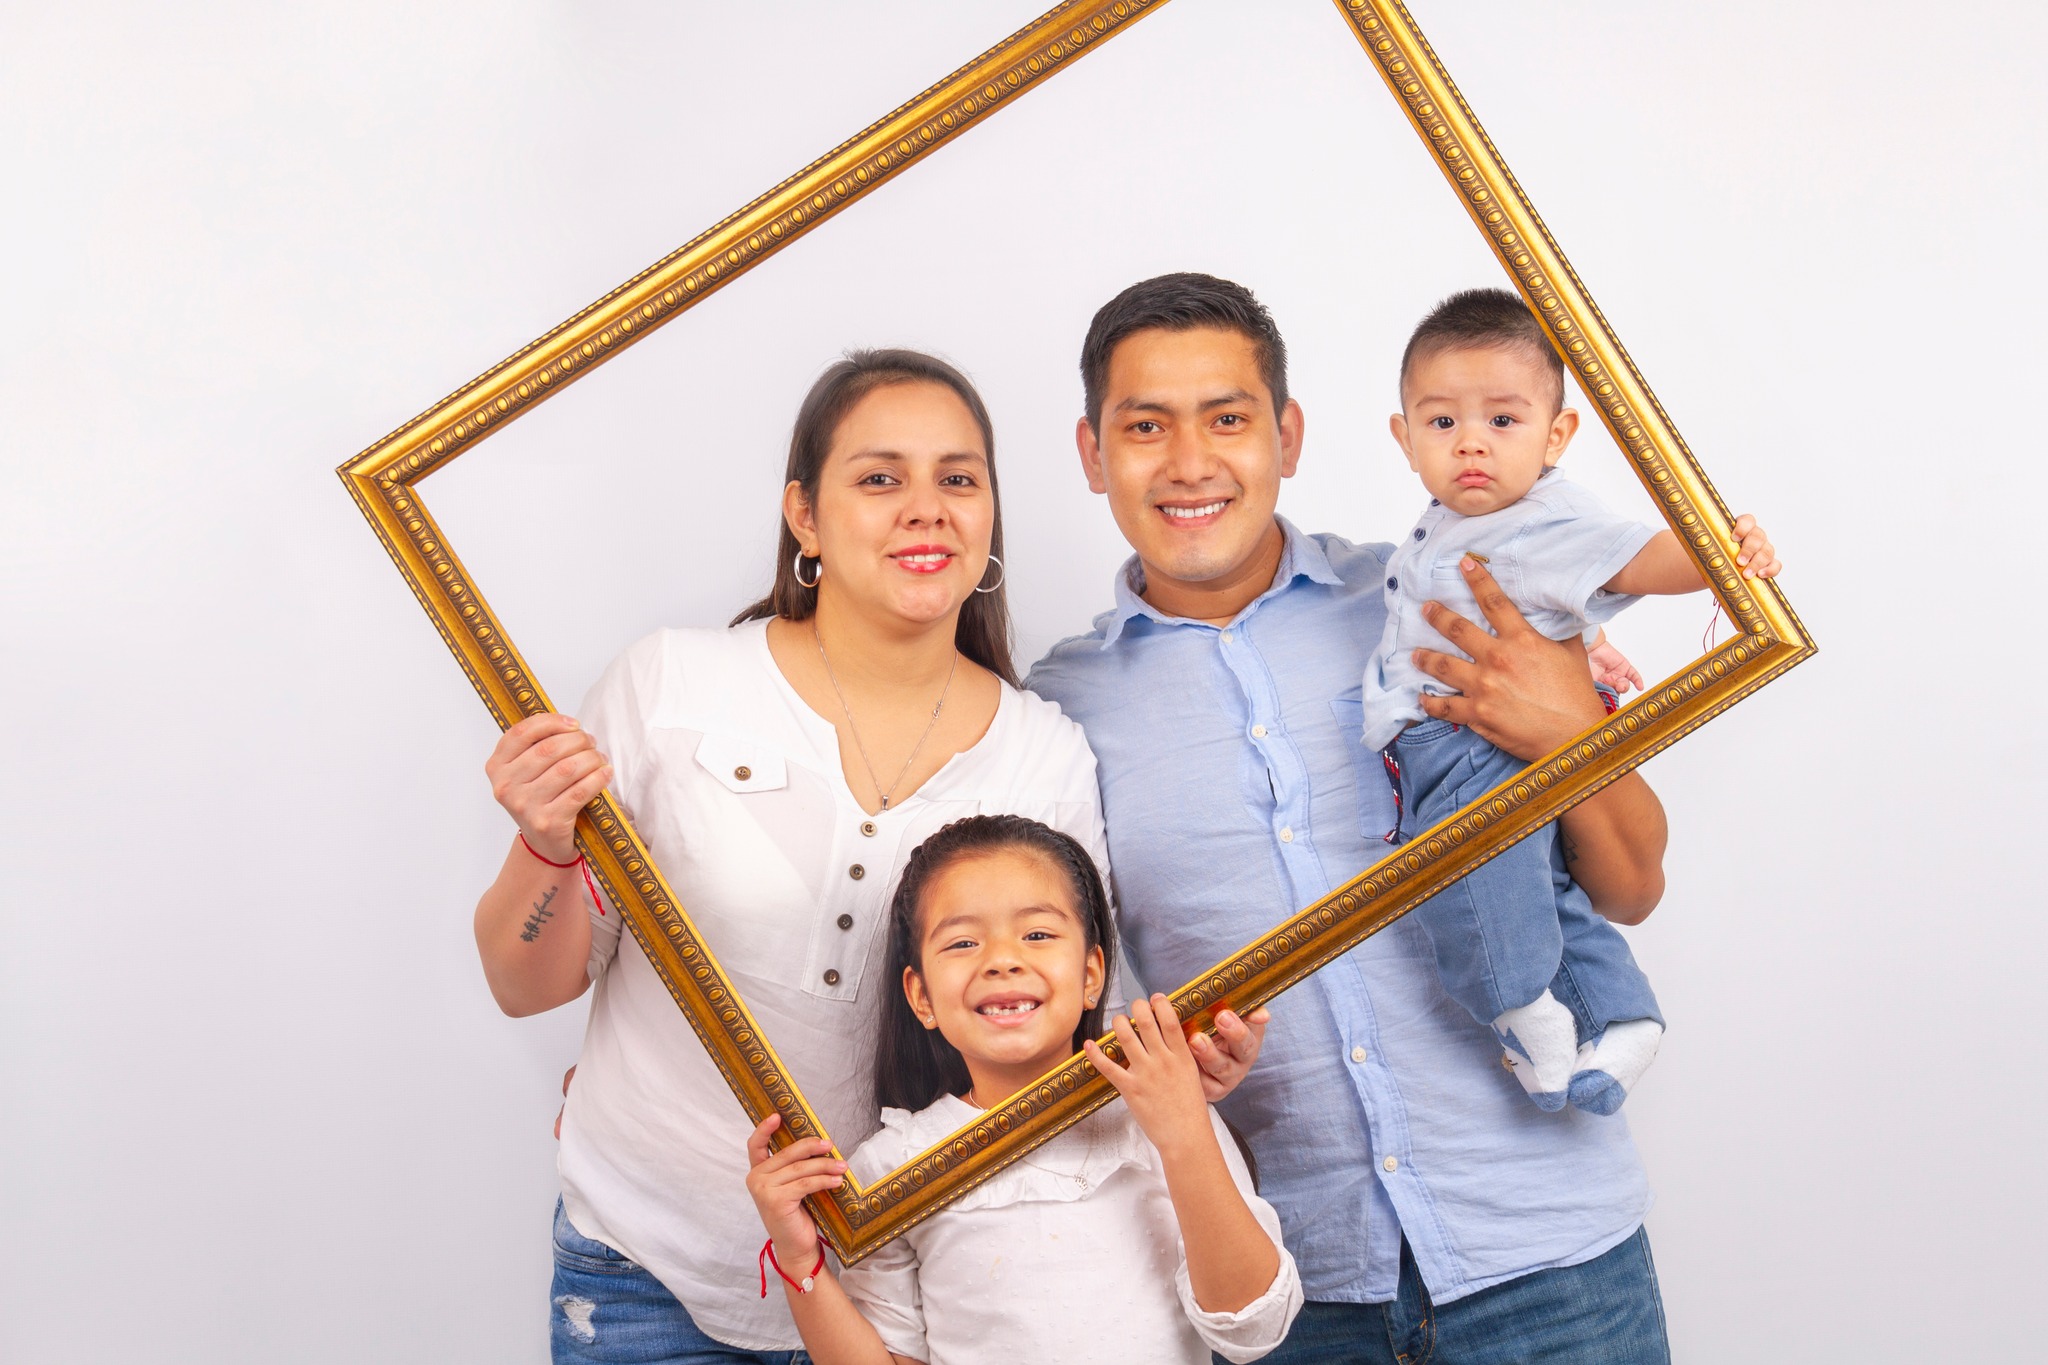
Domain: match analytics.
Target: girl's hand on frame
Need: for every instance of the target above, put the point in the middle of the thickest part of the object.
(779, 1183)
(1754, 553)
(1159, 1078)
(543, 771)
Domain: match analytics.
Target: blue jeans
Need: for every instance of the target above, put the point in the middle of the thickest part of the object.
(606, 1310)
(1516, 925)
(1604, 1312)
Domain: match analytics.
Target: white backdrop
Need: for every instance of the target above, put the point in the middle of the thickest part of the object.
(257, 1102)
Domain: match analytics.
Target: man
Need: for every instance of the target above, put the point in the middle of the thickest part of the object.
(1434, 1213)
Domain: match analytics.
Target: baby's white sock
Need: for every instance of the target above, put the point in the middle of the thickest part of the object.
(1541, 1042)
(1609, 1067)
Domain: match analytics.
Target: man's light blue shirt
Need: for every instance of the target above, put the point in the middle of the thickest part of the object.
(1237, 790)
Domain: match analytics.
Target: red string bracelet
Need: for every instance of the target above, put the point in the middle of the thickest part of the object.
(579, 862)
(767, 1258)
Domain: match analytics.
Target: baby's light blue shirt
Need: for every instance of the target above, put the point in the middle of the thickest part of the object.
(1550, 551)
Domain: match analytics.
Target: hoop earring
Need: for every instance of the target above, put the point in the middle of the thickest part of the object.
(797, 568)
(1001, 574)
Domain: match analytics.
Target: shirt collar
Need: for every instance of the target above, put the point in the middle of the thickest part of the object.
(1300, 557)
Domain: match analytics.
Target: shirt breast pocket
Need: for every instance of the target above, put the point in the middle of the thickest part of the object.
(739, 764)
(729, 823)
(1375, 789)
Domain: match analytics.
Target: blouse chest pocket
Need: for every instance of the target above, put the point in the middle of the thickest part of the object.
(730, 822)
(740, 764)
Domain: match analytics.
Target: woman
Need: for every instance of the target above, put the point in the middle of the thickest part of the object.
(780, 771)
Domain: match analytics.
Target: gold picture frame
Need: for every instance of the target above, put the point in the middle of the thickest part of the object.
(1767, 640)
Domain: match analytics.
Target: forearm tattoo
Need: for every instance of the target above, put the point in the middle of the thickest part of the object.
(541, 914)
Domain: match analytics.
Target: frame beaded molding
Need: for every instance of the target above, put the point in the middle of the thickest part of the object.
(858, 1218)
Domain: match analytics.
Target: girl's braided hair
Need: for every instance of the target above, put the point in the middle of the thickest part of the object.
(915, 1065)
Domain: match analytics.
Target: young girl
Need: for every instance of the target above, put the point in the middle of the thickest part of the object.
(1133, 1236)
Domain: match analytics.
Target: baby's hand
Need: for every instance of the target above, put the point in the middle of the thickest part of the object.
(1159, 1079)
(779, 1182)
(1754, 553)
(1611, 667)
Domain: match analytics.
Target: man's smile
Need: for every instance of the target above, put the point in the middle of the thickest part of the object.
(1193, 513)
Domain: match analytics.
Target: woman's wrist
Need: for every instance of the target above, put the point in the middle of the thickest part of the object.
(559, 851)
(797, 1252)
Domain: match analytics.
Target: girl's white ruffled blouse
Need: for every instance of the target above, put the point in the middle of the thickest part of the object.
(1071, 1253)
(736, 787)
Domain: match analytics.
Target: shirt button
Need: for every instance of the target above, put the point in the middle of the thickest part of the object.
(1226, 637)
(1418, 533)
(1358, 1054)
(846, 922)
(743, 772)
(1287, 835)
(856, 872)
(1393, 585)
(1258, 732)
(1390, 1164)
(867, 827)
(832, 979)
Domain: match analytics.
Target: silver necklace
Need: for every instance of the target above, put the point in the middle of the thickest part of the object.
(867, 762)
(1036, 1156)
(1079, 1175)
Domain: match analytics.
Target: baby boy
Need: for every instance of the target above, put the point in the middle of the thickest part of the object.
(1483, 422)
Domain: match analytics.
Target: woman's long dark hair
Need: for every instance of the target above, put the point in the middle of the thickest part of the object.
(915, 1065)
(983, 634)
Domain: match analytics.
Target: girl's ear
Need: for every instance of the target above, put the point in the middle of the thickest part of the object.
(921, 1001)
(1092, 976)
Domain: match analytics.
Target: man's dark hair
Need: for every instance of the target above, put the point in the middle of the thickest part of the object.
(1474, 318)
(1180, 303)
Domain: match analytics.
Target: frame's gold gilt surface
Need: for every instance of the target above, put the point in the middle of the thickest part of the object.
(857, 1219)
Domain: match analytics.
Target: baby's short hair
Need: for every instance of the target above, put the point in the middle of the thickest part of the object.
(1473, 318)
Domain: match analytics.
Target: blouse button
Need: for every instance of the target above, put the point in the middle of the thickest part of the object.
(1393, 585)
(831, 977)
(1418, 533)
(867, 827)
(846, 921)
(743, 772)
(856, 872)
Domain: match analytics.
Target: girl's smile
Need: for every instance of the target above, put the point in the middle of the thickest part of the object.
(1006, 968)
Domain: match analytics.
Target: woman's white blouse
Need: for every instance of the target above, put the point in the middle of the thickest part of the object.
(1071, 1253)
(734, 784)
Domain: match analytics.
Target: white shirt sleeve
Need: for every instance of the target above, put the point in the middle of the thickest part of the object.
(615, 713)
(884, 1286)
(1262, 1324)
